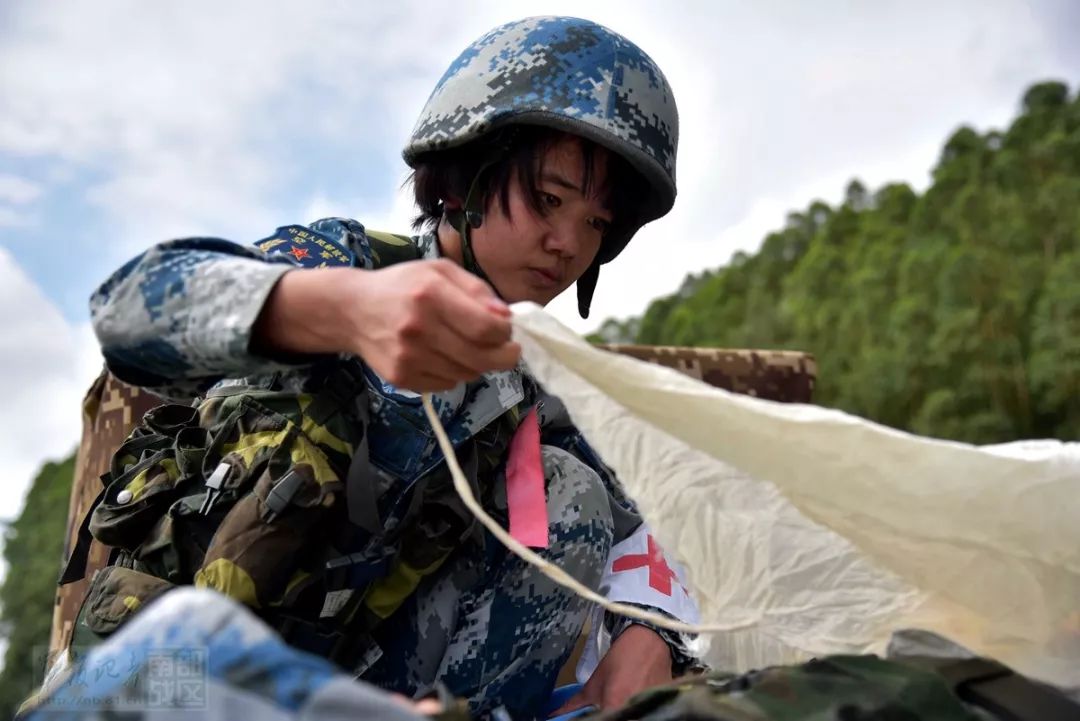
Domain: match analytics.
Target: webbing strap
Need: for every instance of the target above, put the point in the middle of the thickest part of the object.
(75, 568)
(344, 382)
(346, 388)
(360, 484)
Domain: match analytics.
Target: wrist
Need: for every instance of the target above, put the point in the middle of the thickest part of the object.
(646, 642)
(682, 659)
(307, 313)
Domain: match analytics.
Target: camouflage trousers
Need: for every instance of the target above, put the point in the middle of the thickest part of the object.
(492, 628)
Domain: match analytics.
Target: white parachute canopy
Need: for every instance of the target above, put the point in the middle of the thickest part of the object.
(810, 531)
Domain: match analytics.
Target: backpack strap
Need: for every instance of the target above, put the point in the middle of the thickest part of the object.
(75, 568)
(390, 248)
(346, 388)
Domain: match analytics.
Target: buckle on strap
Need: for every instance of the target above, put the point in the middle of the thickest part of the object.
(213, 487)
(281, 495)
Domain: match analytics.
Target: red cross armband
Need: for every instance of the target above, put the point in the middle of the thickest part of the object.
(639, 572)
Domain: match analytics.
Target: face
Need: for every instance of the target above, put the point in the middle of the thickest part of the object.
(536, 257)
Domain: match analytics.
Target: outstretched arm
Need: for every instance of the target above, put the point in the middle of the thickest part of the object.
(187, 313)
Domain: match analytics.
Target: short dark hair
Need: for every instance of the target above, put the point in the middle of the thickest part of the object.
(519, 150)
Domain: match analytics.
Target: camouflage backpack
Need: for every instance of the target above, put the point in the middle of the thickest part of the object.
(855, 688)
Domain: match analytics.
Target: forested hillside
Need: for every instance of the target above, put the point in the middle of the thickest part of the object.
(952, 313)
(33, 546)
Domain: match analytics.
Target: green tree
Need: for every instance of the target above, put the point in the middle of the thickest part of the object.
(33, 548)
(953, 313)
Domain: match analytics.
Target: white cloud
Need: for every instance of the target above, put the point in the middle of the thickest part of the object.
(16, 194)
(14, 218)
(48, 364)
(184, 113)
(389, 213)
(18, 191)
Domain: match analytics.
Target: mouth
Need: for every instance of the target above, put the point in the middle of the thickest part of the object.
(547, 277)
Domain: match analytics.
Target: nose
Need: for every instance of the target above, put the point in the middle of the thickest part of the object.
(565, 239)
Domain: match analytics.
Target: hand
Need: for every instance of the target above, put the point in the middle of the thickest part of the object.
(424, 325)
(430, 325)
(638, 659)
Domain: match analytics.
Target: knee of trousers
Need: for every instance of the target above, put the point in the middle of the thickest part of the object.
(579, 516)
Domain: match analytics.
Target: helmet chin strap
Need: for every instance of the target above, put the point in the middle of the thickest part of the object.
(464, 220)
(586, 284)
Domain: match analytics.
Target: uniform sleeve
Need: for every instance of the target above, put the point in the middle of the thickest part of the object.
(178, 317)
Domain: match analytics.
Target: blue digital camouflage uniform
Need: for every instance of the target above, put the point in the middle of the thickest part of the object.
(178, 319)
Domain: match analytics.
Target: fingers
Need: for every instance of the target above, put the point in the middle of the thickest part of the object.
(475, 321)
(471, 284)
(440, 370)
(430, 325)
(460, 318)
(470, 305)
(419, 382)
(460, 351)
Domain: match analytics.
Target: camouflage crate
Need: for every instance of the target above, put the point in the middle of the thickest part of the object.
(775, 375)
(112, 408)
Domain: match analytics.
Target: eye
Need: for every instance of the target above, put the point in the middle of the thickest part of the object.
(600, 225)
(550, 201)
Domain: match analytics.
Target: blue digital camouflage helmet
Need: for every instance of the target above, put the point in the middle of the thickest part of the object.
(573, 75)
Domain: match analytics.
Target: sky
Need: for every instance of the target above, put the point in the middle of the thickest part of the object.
(123, 124)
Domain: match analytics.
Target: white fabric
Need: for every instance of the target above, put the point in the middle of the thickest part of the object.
(635, 575)
(810, 531)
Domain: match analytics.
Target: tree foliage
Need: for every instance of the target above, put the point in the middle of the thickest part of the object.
(33, 548)
(954, 313)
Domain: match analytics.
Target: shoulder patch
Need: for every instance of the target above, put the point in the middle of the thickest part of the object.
(305, 247)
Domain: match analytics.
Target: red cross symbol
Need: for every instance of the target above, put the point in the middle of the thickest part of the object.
(660, 574)
(298, 253)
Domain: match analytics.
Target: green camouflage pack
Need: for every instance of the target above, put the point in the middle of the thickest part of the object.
(854, 688)
(244, 494)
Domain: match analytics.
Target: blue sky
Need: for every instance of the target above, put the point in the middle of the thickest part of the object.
(126, 123)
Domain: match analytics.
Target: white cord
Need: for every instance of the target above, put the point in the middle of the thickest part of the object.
(550, 570)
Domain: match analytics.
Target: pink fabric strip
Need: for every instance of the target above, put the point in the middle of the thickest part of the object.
(525, 485)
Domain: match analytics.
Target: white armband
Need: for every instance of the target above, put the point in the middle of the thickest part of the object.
(637, 572)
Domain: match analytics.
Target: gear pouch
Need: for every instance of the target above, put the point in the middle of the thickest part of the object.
(115, 595)
(146, 475)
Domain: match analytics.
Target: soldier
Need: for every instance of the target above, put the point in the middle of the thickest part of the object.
(546, 145)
